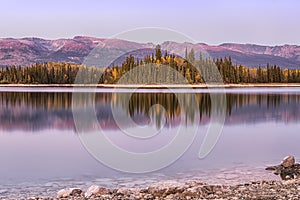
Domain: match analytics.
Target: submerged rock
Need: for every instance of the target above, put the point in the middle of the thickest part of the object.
(287, 169)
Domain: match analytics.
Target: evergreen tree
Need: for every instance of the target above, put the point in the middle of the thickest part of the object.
(158, 53)
(191, 56)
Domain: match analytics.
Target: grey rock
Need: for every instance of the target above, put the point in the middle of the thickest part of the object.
(287, 169)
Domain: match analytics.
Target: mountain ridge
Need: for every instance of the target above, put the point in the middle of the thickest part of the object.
(27, 51)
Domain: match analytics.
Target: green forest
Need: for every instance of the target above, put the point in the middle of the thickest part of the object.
(137, 71)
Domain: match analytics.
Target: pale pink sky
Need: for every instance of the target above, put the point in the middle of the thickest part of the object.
(272, 22)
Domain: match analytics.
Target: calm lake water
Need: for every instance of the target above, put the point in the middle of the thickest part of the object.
(41, 152)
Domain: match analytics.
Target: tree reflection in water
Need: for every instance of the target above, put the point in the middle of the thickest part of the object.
(31, 111)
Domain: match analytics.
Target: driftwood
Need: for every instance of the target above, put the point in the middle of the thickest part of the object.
(287, 169)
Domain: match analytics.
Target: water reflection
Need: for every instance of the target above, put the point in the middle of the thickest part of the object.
(31, 111)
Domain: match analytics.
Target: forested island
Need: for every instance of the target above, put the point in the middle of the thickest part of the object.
(195, 71)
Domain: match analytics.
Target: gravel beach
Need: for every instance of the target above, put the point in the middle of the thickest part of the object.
(187, 190)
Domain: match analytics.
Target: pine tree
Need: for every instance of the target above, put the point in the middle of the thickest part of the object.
(259, 75)
(191, 56)
(158, 53)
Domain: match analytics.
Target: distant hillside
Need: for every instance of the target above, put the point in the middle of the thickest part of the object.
(27, 51)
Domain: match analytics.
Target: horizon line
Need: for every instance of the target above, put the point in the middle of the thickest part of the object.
(179, 42)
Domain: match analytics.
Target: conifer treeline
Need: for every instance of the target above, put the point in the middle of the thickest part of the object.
(133, 70)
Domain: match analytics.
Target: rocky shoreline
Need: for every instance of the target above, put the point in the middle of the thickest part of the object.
(287, 188)
(187, 190)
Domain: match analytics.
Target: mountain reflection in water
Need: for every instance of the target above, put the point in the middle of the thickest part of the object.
(33, 111)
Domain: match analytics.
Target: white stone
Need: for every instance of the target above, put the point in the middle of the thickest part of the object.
(67, 192)
(95, 190)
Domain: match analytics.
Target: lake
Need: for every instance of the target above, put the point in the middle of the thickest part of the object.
(41, 150)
